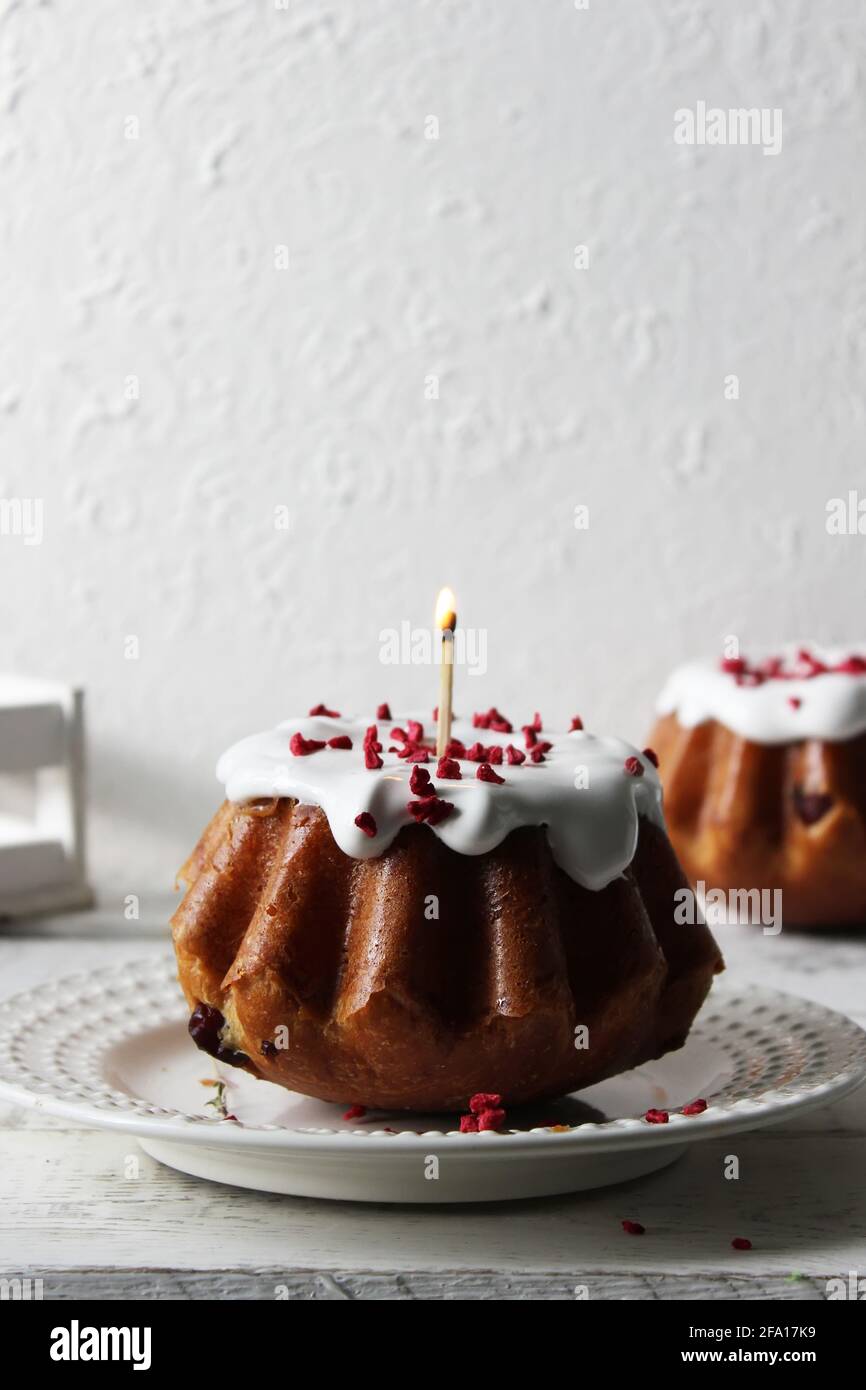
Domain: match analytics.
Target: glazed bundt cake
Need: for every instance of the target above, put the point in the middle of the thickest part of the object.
(365, 924)
(764, 769)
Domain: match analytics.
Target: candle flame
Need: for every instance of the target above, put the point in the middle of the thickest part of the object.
(446, 610)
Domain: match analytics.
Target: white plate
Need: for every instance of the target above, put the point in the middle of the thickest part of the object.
(110, 1049)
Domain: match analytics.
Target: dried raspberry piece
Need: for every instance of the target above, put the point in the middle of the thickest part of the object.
(741, 1243)
(477, 753)
(449, 768)
(498, 722)
(399, 733)
(419, 782)
(491, 1119)
(355, 1112)
(530, 737)
(633, 1228)
(480, 721)
(435, 714)
(536, 723)
(852, 666)
(651, 756)
(372, 761)
(695, 1107)
(656, 1117)
(416, 754)
(634, 767)
(485, 773)
(515, 756)
(340, 741)
(794, 701)
(324, 712)
(301, 746)
(455, 749)
(732, 665)
(468, 1124)
(414, 730)
(537, 754)
(576, 724)
(484, 1100)
(365, 822)
(371, 739)
(430, 809)
(494, 754)
(383, 712)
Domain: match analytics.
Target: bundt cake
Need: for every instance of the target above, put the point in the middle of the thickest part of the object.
(764, 769)
(362, 931)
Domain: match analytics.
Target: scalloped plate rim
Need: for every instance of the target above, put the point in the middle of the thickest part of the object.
(630, 1132)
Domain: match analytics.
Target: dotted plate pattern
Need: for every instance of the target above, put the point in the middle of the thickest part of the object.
(782, 1054)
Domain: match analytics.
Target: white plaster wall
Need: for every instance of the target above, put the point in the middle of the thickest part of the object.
(304, 127)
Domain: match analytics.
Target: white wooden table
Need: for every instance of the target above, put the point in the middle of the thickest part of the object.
(73, 1217)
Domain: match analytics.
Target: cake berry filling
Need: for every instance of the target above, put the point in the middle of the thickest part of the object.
(206, 1026)
(811, 806)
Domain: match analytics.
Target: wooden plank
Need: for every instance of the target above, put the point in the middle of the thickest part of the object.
(446, 1284)
(803, 1205)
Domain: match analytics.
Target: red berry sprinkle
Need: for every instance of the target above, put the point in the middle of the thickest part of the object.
(414, 730)
(301, 746)
(468, 1124)
(732, 665)
(365, 822)
(384, 712)
(484, 1100)
(324, 712)
(741, 1243)
(634, 767)
(695, 1107)
(633, 1228)
(455, 749)
(371, 738)
(656, 1117)
(448, 768)
(485, 773)
(537, 753)
(651, 756)
(355, 1112)
(794, 701)
(419, 782)
(371, 758)
(399, 733)
(494, 754)
(491, 1119)
(430, 809)
(530, 737)
(340, 741)
(477, 753)
(576, 724)
(515, 756)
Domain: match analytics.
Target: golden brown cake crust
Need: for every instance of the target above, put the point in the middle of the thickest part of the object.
(740, 816)
(414, 980)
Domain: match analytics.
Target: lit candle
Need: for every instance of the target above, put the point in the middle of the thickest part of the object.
(446, 619)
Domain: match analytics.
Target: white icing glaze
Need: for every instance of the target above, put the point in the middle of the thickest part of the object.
(830, 706)
(592, 829)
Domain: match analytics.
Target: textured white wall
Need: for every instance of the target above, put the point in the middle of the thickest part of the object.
(305, 127)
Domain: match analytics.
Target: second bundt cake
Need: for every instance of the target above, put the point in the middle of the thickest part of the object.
(765, 780)
(365, 928)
